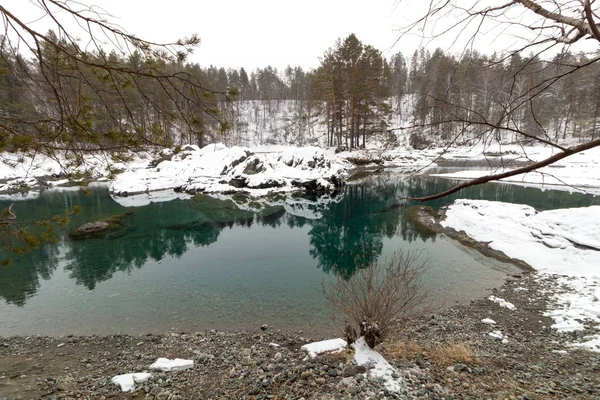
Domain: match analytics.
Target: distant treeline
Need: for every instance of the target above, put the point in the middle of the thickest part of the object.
(57, 102)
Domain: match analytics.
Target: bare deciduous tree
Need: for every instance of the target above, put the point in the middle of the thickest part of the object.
(538, 26)
(379, 296)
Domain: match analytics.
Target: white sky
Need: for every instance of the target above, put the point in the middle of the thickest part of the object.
(257, 33)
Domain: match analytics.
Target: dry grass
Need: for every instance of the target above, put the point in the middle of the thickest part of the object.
(401, 351)
(341, 356)
(443, 355)
(451, 353)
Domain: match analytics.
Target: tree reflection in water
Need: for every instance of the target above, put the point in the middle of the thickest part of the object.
(346, 230)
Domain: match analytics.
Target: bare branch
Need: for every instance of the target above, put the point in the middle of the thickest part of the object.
(518, 171)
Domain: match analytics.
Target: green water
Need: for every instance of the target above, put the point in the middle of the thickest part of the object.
(204, 263)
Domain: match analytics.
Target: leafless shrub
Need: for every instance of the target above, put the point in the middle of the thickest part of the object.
(380, 295)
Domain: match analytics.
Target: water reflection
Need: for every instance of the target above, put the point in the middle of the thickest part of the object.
(346, 230)
(20, 281)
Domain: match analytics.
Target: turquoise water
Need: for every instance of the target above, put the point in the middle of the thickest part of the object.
(230, 263)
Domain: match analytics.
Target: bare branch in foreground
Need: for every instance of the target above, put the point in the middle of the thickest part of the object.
(495, 177)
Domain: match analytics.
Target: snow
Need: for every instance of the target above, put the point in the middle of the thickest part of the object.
(563, 242)
(325, 346)
(128, 381)
(217, 168)
(502, 302)
(143, 199)
(380, 368)
(496, 335)
(488, 321)
(554, 241)
(576, 173)
(166, 365)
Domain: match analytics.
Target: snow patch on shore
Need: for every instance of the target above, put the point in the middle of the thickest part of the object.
(501, 302)
(324, 346)
(564, 242)
(127, 381)
(166, 365)
(379, 367)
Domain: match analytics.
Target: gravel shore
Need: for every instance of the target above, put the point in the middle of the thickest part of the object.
(448, 356)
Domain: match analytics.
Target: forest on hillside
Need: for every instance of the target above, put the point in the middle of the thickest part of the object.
(58, 102)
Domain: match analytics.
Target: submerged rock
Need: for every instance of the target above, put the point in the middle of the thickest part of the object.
(93, 227)
(99, 229)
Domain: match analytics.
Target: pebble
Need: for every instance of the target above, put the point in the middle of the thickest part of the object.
(258, 370)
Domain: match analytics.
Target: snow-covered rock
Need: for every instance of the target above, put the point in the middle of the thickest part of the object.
(127, 381)
(166, 365)
(325, 346)
(217, 168)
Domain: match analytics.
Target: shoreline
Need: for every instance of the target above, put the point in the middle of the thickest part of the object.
(429, 219)
(531, 364)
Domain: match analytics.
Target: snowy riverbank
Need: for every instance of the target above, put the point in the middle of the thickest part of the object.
(213, 169)
(260, 170)
(564, 243)
(576, 173)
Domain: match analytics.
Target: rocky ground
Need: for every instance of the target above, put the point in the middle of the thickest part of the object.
(449, 356)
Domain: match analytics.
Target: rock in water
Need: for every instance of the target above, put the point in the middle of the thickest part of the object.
(93, 227)
(99, 229)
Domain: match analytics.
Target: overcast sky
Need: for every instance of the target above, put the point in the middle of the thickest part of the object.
(257, 33)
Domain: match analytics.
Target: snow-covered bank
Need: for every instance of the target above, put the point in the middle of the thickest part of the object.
(578, 172)
(264, 169)
(22, 172)
(217, 168)
(213, 169)
(564, 242)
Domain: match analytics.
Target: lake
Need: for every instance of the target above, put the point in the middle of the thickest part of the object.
(229, 262)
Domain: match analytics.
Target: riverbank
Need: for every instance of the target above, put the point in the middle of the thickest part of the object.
(165, 174)
(450, 356)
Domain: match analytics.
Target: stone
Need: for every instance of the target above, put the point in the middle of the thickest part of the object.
(458, 367)
(237, 182)
(264, 327)
(99, 229)
(360, 369)
(254, 167)
(305, 375)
